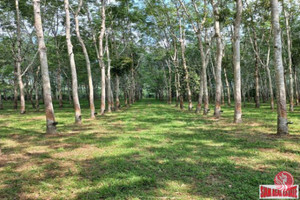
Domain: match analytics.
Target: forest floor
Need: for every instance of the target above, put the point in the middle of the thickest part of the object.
(151, 150)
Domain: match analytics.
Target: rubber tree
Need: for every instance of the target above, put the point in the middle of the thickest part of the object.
(282, 123)
(109, 90)
(217, 112)
(87, 60)
(72, 65)
(185, 67)
(289, 49)
(236, 63)
(50, 118)
(101, 57)
(19, 60)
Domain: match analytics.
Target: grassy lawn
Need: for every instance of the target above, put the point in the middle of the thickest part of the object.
(151, 150)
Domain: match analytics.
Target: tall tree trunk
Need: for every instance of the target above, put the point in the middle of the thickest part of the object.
(72, 65)
(289, 47)
(200, 97)
(205, 89)
(217, 112)
(15, 86)
(257, 87)
(270, 88)
(60, 98)
(176, 89)
(236, 63)
(125, 97)
(101, 54)
(19, 59)
(31, 97)
(132, 87)
(169, 83)
(87, 61)
(270, 79)
(50, 118)
(186, 77)
(117, 92)
(177, 80)
(112, 98)
(109, 99)
(36, 86)
(282, 123)
(204, 59)
(227, 88)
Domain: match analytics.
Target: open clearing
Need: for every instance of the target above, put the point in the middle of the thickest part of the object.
(150, 150)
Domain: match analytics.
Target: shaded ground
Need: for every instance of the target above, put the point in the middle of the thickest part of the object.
(149, 151)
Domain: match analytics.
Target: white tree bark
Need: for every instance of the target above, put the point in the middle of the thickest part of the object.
(227, 88)
(117, 92)
(72, 65)
(236, 63)
(109, 96)
(186, 77)
(50, 118)
(19, 60)
(217, 112)
(289, 46)
(282, 125)
(101, 54)
(87, 61)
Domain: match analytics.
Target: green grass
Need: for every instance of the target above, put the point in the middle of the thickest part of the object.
(151, 150)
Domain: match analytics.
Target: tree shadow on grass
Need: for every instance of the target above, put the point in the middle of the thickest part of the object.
(149, 150)
(164, 173)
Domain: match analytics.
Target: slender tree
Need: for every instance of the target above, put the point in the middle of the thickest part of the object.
(72, 65)
(87, 60)
(109, 91)
(289, 49)
(217, 112)
(282, 123)
(101, 57)
(36, 86)
(186, 71)
(50, 118)
(19, 60)
(117, 92)
(236, 63)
